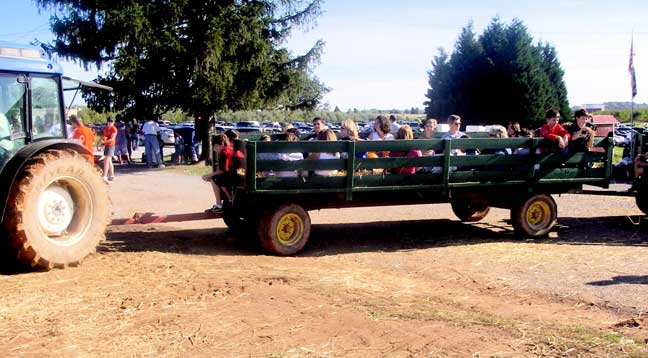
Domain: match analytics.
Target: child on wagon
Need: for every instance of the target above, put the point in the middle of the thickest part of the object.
(556, 137)
(225, 175)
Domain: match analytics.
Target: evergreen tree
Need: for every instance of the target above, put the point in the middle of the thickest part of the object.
(467, 66)
(201, 56)
(439, 101)
(498, 78)
(558, 95)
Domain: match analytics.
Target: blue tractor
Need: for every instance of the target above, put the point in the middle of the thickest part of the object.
(54, 206)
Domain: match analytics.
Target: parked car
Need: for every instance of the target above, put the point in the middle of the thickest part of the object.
(416, 126)
(167, 137)
(248, 126)
(623, 135)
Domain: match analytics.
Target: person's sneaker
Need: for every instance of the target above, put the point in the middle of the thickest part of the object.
(105, 180)
(161, 166)
(634, 187)
(215, 209)
(111, 178)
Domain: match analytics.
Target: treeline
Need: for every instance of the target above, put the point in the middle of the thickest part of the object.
(90, 116)
(640, 115)
(624, 105)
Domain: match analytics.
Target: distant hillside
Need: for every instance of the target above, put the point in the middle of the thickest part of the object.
(611, 106)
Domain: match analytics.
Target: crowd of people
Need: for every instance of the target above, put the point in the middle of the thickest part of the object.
(119, 139)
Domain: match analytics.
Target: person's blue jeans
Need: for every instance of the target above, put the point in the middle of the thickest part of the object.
(152, 148)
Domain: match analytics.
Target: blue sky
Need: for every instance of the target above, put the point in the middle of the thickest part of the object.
(377, 53)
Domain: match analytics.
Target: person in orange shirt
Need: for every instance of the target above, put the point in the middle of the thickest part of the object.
(108, 140)
(83, 134)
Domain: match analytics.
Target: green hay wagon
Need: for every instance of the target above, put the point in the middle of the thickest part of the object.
(274, 209)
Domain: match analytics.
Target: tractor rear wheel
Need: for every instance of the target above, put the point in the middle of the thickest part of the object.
(58, 210)
(284, 230)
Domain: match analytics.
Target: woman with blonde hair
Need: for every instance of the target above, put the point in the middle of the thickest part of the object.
(405, 132)
(349, 130)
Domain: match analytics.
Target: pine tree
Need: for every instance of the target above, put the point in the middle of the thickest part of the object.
(498, 78)
(200, 56)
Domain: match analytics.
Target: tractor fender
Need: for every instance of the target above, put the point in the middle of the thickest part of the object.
(15, 164)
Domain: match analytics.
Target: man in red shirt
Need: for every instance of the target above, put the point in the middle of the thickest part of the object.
(108, 140)
(554, 133)
(84, 134)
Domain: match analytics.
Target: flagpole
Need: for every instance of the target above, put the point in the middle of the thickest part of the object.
(633, 81)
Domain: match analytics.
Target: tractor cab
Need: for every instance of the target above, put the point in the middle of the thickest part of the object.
(31, 100)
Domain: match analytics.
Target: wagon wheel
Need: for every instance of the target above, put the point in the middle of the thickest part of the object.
(470, 210)
(284, 230)
(535, 216)
(59, 210)
(641, 197)
(244, 227)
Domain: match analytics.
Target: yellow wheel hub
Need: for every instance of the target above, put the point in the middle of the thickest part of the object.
(290, 229)
(538, 213)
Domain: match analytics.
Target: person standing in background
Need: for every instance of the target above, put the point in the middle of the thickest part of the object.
(83, 134)
(121, 142)
(151, 144)
(108, 140)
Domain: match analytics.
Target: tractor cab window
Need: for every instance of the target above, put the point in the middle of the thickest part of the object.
(46, 108)
(12, 115)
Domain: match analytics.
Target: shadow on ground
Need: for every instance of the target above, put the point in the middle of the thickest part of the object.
(333, 239)
(618, 280)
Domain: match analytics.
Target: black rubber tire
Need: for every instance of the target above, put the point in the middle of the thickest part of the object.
(51, 183)
(641, 197)
(470, 210)
(296, 222)
(535, 216)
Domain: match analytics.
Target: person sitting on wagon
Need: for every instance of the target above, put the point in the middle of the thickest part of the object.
(581, 134)
(429, 126)
(556, 137)
(454, 121)
(382, 129)
(497, 131)
(318, 126)
(225, 175)
(405, 132)
(289, 137)
(325, 135)
(349, 131)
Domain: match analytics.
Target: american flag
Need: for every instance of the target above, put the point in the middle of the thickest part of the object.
(633, 79)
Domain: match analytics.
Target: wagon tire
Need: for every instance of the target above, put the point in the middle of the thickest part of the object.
(535, 216)
(243, 227)
(641, 198)
(470, 211)
(284, 230)
(58, 212)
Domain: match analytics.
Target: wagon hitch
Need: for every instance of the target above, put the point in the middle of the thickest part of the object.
(152, 218)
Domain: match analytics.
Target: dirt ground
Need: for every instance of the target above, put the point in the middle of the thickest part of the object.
(407, 281)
